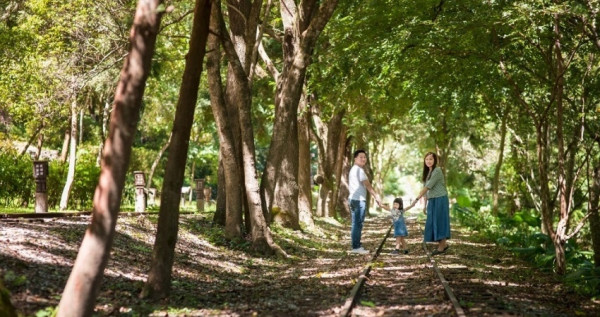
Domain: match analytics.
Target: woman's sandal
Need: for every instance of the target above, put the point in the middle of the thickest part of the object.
(436, 251)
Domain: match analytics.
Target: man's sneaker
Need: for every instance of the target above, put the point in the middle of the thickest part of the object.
(396, 251)
(360, 250)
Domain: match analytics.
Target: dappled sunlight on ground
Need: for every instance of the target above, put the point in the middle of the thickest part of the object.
(212, 277)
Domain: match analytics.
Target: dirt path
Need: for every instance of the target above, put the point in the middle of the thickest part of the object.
(485, 279)
(212, 278)
(403, 285)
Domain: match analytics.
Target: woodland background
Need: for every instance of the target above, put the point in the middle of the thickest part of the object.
(506, 92)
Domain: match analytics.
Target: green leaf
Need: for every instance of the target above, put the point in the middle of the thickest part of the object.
(367, 303)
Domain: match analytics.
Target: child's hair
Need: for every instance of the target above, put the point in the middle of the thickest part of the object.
(425, 168)
(400, 203)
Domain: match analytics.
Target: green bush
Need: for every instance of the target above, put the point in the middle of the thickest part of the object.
(18, 184)
(86, 179)
(16, 179)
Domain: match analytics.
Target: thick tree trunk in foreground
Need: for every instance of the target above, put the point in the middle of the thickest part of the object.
(231, 183)
(80, 293)
(302, 25)
(64, 198)
(159, 277)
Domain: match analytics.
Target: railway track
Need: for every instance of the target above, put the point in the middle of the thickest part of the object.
(461, 282)
(402, 285)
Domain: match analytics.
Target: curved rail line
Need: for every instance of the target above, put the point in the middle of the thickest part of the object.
(355, 293)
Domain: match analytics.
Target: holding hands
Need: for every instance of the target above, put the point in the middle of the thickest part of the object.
(415, 202)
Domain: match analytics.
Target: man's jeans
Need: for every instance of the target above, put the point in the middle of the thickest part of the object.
(357, 210)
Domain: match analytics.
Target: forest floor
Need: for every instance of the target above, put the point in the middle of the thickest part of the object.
(214, 277)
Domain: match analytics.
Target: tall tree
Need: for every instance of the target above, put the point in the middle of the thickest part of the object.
(302, 25)
(243, 20)
(83, 284)
(548, 67)
(329, 135)
(159, 277)
(304, 165)
(64, 198)
(230, 174)
(498, 167)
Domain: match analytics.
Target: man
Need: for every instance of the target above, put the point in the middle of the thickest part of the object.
(359, 184)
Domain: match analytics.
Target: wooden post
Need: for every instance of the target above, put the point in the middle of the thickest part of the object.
(40, 173)
(200, 194)
(140, 195)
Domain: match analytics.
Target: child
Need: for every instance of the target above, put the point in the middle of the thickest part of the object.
(397, 215)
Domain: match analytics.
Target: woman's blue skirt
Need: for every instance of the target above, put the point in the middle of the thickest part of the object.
(437, 225)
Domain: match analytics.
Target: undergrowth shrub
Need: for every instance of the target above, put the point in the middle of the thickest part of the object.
(520, 233)
(16, 179)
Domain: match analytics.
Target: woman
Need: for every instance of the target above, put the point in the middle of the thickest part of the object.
(437, 225)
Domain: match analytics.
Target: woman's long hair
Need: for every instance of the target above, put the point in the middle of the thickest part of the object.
(426, 169)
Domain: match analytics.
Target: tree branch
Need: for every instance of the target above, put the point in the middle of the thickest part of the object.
(270, 66)
(578, 228)
(317, 24)
(232, 55)
(258, 42)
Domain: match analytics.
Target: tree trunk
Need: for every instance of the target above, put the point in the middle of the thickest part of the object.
(343, 190)
(83, 285)
(40, 144)
(220, 211)
(80, 126)
(564, 182)
(542, 156)
(64, 198)
(280, 179)
(230, 181)
(304, 168)
(157, 161)
(103, 132)
(328, 138)
(243, 22)
(192, 182)
(283, 150)
(35, 133)
(594, 213)
(339, 165)
(159, 277)
(496, 180)
(261, 235)
(443, 142)
(65, 147)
